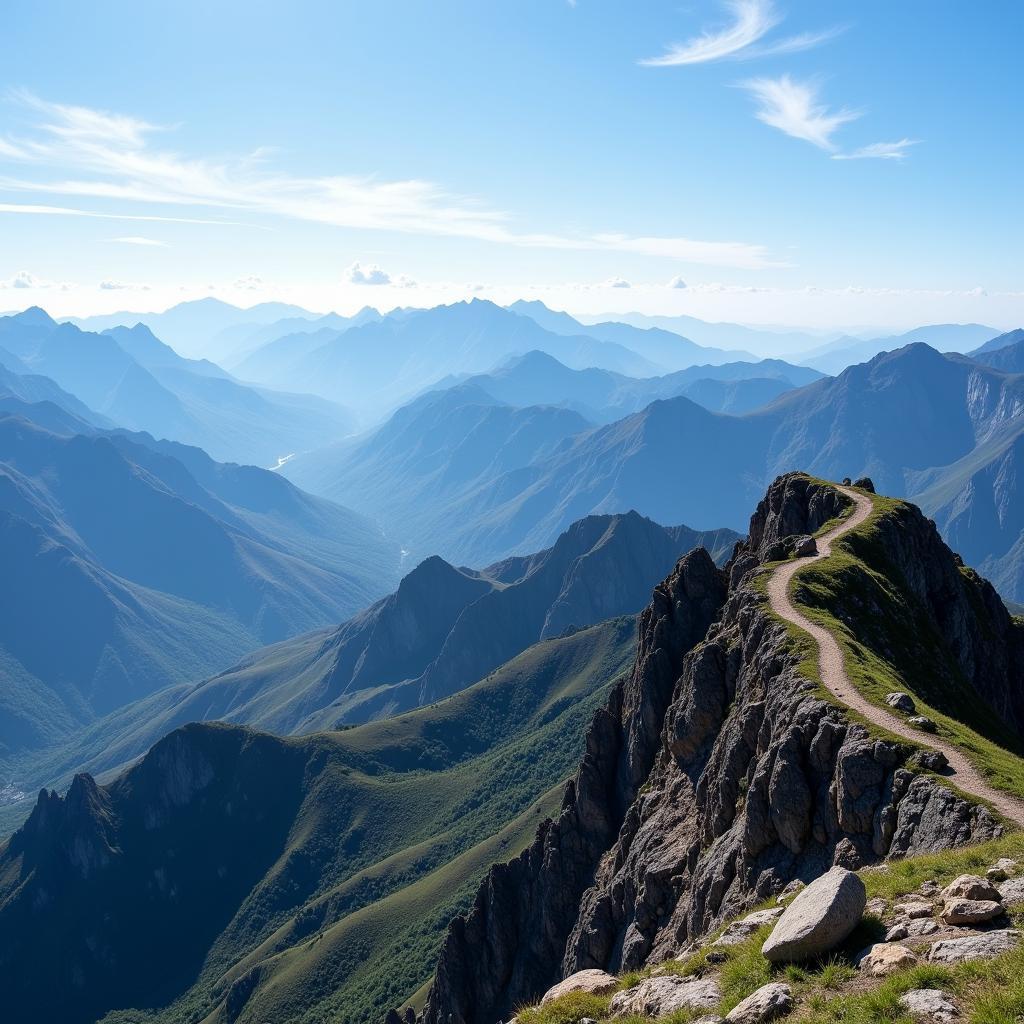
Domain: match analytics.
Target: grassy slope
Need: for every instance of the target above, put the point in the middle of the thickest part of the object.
(889, 645)
(397, 830)
(831, 991)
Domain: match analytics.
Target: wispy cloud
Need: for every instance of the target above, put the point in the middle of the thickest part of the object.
(140, 240)
(793, 108)
(879, 151)
(108, 156)
(740, 39)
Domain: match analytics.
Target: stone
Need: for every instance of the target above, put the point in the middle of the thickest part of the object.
(970, 887)
(983, 946)
(995, 875)
(805, 547)
(658, 997)
(885, 957)
(925, 926)
(737, 931)
(897, 932)
(923, 723)
(708, 1018)
(790, 891)
(928, 889)
(913, 909)
(877, 906)
(971, 911)
(864, 483)
(1012, 891)
(595, 982)
(930, 1004)
(1007, 864)
(929, 761)
(901, 702)
(769, 1002)
(820, 917)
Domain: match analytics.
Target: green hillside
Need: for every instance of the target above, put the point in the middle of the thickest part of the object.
(250, 877)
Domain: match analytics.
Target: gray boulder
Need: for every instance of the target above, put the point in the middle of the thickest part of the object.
(804, 547)
(930, 1004)
(901, 702)
(819, 918)
(658, 997)
(596, 982)
(983, 946)
(767, 1003)
(970, 887)
(971, 911)
(1012, 891)
(922, 723)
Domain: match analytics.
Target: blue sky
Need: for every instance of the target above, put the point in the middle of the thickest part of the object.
(405, 153)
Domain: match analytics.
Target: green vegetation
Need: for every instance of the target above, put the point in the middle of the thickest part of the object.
(316, 878)
(831, 990)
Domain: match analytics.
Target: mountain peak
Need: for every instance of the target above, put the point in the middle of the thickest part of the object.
(35, 316)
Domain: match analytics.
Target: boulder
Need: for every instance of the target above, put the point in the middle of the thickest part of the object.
(922, 723)
(658, 997)
(769, 1002)
(595, 982)
(885, 957)
(928, 889)
(913, 909)
(1012, 891)
(930, 1004)
(804, 547)
(790, 891)
(929, 761)
(983, 946)
(971, 911)
(877, 906)
(897, 932)
(820, 917)
(925, 926)
(737, 931)
(864, 483)
(901, 702)
(970, 887)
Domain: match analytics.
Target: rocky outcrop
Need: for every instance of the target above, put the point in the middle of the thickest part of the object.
(715, 778)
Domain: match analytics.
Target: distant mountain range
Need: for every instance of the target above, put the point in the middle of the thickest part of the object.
(154, 564)
(131, 378)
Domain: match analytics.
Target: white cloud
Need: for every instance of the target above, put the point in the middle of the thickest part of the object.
(249, 283)
(879, 151)
(115, 286)
(677, 282)
(23, 279)
(139, 240)
(98, 155)
(751, 21)
(793, 108)
(617, 282)
(369, 274)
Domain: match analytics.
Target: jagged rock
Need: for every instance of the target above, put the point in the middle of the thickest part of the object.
(658, 997)
(737, 931)
(971, 911)
(929, 761)
(769, 1002)
(804, 547)
(913, 909)
(885, 957)
(596, 982)
(930, 818)
(930, 1004)
(923, 723)
(864, 483)
(983, 946)
(897, 932)
(901, 702)
(1012, 891)
(970, 887)
(820, 917)
(919, 928)
(791, 889)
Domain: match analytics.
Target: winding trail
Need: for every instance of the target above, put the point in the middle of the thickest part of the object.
(834, 677)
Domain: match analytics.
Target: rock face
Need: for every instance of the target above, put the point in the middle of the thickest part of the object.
(819, 919)
(715, 776)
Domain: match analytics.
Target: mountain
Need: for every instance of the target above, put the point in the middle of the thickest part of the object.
(718, 774)
(157, 565)
(132, 378)
(31, 389)
(1004, 352)
(192, 327)
(423, 346)
(443, 629)
(837, 355)
(662, 347)
(234, 875)
(766, 341)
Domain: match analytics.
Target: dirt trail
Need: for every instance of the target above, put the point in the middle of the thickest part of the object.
(833, 672)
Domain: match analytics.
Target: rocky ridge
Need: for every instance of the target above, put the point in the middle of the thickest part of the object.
(714, 778)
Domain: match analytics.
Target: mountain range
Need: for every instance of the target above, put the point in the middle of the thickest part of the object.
(130, 377)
